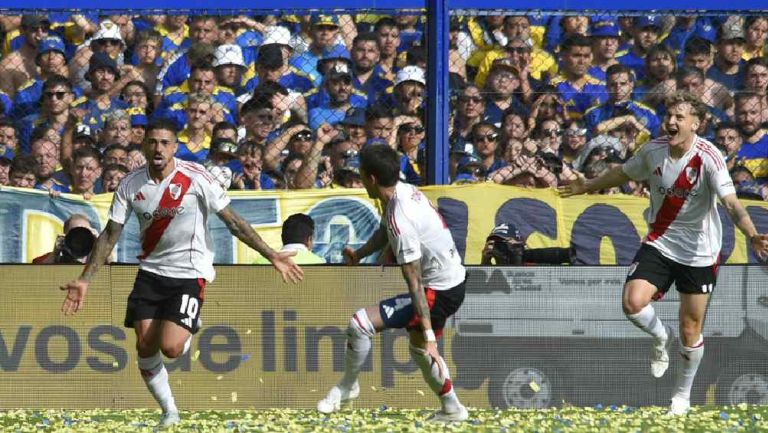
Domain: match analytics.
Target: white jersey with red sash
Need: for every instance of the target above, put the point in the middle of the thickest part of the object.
(684, 224)
(173, 218)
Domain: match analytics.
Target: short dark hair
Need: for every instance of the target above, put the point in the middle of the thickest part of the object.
(382, 162)
(111, 167)
(575, 41)
(255, 104)
(223, 126)
(297, 228)
(112, 147)
(56, 80)
(697, 45)
(23, 164)
(86, 152)
(756, 61)
(365, 37)
(164, 124)
(726, 125)
(201, 66)
(620, 69)
(384, 22)
(378, 111)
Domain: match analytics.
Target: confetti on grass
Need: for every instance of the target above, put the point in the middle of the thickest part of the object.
(385, 419)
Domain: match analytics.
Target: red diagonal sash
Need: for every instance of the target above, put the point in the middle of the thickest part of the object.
(164, 214)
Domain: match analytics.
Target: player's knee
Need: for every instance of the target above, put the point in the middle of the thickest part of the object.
(690, 331)
(172, 351)
(632, 304)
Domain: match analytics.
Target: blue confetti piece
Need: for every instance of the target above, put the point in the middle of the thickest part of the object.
(724, 416)
(230, 424)
(383, 407)
(599, 406)
(245, 356)
(46, 421)
(613, 407)
(418, 424)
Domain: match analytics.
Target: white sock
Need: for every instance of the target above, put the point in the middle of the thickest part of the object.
(647, 320)
(435, 372)
(691, 360)
(359, 334)
(156, 377)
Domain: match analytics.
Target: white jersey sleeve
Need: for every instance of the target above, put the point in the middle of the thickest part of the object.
(403, 237)
(637, 167)
(717, 175)
(121, 208)
(213, 194)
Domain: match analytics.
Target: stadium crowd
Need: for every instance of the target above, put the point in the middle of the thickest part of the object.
(286, 102)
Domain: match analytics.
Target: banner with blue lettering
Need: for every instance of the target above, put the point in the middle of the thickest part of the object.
(602, 229)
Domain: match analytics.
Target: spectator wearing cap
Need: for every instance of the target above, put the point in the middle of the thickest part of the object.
(337, 55)
(324, 30)
(139, 123)
(756, 81)
(244, 31)
(645, 34)
(354, 126)
(368, 76)
(46, 154)
(407, 96)
(620, 108)
(578, 89)
(604, 34)
(531, 60)
(22, 172)
(410, 145)
(340, 98)
(19, 66)
(728, 68)
(117, 129)
(315, 169)
(287, 103)
(348, 176)
(103, 74)
(108, 41)
(562, 27)
(52, 61)
(756, 30)
(252, 176)
(202, 80)
(469, 169)
(505, 91)
(195, 139)
(111, 177)
(272, 66)
(56, 97)
(388, 38)
(230, 66)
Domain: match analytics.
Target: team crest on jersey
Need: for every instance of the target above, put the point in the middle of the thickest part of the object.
(175, 190)
(691, 173)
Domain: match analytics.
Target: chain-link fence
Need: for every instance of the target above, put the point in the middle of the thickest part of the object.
(263, 101)
(287, 100)
(539, 99)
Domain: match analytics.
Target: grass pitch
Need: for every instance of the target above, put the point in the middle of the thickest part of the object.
(741, 418)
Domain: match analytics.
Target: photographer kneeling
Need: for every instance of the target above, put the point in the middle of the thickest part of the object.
(505, 246)
(74, 245)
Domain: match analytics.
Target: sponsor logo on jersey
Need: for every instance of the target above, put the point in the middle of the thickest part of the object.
(163, 213)
(678, 192)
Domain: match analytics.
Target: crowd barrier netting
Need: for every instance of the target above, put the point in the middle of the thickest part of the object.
(526, 336)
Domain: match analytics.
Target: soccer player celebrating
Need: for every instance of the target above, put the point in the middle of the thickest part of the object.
(686, 175)
(431, 266)
(172, 200)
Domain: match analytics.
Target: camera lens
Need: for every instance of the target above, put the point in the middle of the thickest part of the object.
(79, 241)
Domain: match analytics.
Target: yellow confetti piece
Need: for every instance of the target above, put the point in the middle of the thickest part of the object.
(312, 390)
(196, 355)
(261, 380)
(219, 377)
(115, 364)
(248, 332)
(373, 388)
(214, 398)
(534, 386)
(421, 393)
(234, 397)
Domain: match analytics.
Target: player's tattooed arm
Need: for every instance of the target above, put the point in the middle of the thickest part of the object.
(243, 231)
(102, 249)
(412, 275)
(739, 215)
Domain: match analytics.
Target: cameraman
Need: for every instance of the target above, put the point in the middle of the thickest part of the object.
(74, 245)
(505, 246)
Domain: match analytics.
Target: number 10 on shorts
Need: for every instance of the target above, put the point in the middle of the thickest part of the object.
(705, 288)
(189, 307)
